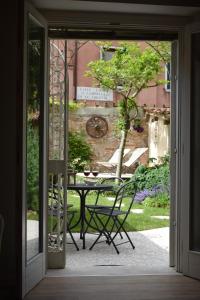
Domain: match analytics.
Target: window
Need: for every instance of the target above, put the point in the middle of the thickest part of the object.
(108, 53)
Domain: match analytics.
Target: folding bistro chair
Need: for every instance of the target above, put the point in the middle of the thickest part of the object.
(106, 218)
(56, 196)
(116, 181)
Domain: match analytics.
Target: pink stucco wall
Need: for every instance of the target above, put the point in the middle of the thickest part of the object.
(88, 51)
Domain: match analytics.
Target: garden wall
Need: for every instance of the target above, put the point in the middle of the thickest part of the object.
(156, 135)
(104, 147)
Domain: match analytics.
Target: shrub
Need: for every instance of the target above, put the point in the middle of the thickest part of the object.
(74, 106)
(150, 177)
(153, 183)
(80, 152)
(161, 200)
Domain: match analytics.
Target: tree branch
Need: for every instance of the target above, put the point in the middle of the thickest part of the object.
(159, 53)
(130, 89)
(110, 88)
(154, 85)
(73, 51)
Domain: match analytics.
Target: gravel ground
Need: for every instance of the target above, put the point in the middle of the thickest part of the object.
(151, 256)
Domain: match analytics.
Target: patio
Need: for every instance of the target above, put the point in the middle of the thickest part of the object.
(151, 256)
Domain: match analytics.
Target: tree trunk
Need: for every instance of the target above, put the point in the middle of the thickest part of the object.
(121, 152)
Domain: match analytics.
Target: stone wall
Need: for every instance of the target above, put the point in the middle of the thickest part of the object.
(104, 147)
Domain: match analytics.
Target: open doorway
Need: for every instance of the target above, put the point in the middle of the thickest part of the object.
(151, 133)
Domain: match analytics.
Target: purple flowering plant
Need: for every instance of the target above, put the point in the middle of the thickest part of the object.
(141, 195)
(137, 126)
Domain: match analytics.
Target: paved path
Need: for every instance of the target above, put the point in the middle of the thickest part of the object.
(151, 256)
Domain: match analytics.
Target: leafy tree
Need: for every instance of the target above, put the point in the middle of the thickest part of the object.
(128, 72)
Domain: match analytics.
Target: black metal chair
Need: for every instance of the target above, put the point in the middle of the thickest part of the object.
(57, 206)
(116, 215)
(116, 182)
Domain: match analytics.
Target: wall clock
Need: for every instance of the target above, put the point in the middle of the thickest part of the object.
(97, 126)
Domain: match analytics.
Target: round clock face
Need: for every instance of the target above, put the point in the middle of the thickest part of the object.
(97, 126)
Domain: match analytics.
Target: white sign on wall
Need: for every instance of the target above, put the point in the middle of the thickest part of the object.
(90, 93)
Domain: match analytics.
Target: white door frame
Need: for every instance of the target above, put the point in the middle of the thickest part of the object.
(175, 212)
(129, 26)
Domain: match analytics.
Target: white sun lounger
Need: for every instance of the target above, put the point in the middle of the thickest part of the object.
(137, 152)
(113, 161)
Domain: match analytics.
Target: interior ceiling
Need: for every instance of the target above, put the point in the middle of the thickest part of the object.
(101, 6)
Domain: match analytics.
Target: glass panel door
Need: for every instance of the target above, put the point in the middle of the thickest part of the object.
(34, 138)
(34, 150)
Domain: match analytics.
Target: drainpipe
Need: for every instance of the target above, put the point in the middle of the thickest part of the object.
(75, 69)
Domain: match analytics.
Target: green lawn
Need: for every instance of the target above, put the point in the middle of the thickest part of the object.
(135, 222)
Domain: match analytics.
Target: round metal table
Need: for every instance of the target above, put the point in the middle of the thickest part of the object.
(83, 189)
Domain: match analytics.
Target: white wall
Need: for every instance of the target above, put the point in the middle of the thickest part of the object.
(159, 138)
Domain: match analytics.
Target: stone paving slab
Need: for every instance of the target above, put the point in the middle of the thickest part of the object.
(161, 217)
(137, 211)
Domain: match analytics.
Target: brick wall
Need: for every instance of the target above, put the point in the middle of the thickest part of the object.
(104, 147)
